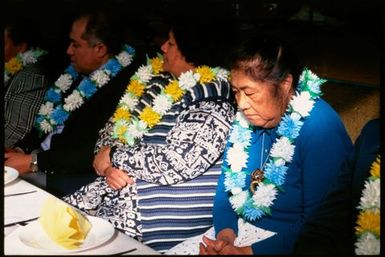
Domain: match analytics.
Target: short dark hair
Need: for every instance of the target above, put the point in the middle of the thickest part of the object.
(102, 27)
(267, 58)
(198, 40)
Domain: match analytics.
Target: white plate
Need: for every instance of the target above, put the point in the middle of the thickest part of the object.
(33, 235)
(10, 174)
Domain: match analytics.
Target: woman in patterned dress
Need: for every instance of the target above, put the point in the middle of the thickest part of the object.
(157, 182)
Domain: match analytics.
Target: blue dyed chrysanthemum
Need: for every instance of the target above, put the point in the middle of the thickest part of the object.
(71, 70)
(87, 88)
(39, 119)
(250, 212)
(52, 96)
(240, 135)
(235, 179)
(289, 127)
(114, 66)
(59, 115)
(314, 87)
(129, 49)
(276, 174)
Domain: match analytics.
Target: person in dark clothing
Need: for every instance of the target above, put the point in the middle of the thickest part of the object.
(25, 77)
(331, 228)
(60, 148)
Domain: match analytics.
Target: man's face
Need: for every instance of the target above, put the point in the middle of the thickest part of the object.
(84, 58)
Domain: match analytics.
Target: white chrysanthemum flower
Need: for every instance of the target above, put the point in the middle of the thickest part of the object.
(237, 157)
(162, 103)
(46, 127)
(283, 148)
(64, 82)
(124, 58)
(239, 200)
(265, 195)
(144, 73)
(279, 162)
(28, 57)
(371, 195)
(101, 77)
(73, 101)
(223, 74)
(367, 244)
(295, 116)
(188, 79)
(311, 75)
(46, 108)
(243, 121)
(129, 101)
(137, 130)
(236, 190)
(302, 103)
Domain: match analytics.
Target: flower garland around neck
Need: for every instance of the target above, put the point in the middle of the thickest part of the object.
(53, 112)
(128, 129)
(253, 204)
(368, 221)
(17, 63)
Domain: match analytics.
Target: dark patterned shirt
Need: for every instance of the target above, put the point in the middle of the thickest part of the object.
(22, 99)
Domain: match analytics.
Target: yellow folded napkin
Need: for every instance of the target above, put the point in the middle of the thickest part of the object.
(63, 224)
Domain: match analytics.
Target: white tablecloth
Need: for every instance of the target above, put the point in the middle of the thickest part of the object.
(22, 207)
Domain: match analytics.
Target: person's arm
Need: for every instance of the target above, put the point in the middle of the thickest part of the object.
(224, 217)
(105, 139)
(192, 146)
(22, 102)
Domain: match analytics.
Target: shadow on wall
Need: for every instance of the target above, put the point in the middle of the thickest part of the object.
(355, 104)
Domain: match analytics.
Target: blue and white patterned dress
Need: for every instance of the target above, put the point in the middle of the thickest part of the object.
(176, 166)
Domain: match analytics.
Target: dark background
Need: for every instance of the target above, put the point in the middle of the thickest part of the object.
(340, 40)
(143, 18)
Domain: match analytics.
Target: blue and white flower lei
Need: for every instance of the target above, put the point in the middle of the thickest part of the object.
(253, 206)
(53, 112)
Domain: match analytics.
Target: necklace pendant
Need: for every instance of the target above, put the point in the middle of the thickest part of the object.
(256, 177)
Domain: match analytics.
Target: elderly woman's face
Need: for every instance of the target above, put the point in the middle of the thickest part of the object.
(174, 61)
(257, 100)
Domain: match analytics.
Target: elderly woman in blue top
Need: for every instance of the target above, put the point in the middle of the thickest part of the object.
(285, 148)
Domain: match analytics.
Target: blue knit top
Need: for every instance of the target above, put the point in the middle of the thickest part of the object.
(320, 150)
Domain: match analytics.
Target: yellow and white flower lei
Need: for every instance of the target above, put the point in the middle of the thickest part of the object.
(130, 129)
(368, 221)
(17, 63)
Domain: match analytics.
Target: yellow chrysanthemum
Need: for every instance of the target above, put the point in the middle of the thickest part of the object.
(157, 65)
(120, 131)
(13, 66)
(149, 116)
(369, 221)
(206, 73)
(174, 90)
(121, 113)
(136, 88)
(375, 169)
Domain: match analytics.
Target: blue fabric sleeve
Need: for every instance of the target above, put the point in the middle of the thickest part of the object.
(223, 214)
(320, 151)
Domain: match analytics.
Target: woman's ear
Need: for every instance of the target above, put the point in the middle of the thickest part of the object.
(287, 84)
